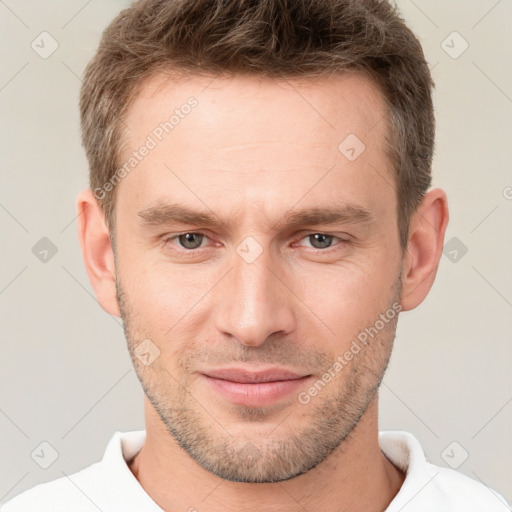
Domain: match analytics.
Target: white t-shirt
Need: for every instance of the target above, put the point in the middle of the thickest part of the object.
(109, 485)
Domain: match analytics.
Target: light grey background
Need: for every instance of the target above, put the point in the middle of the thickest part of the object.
(65, 375)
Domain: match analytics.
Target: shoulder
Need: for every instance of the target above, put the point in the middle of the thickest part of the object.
(69, 492)
(458, 492)
(430, 487)
(91, 489)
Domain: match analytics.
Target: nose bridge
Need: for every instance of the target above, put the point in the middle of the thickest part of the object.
(254, 303)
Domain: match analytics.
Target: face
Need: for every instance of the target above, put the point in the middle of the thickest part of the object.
(258, 265)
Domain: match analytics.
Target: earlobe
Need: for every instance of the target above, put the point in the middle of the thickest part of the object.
(426, 238)
(93, 235)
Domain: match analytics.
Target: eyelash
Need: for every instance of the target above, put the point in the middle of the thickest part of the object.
(340, 242)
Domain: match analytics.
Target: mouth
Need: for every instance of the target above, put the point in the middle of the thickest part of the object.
(254, 388)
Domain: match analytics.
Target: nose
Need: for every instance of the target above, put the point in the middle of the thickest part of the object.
(254, 302)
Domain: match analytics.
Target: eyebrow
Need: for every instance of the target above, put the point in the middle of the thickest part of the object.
(166, 214)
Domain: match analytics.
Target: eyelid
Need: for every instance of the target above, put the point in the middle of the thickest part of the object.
(339, 238)
(305, 234)
(171, 238)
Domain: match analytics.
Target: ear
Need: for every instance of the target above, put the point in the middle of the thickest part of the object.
(93, 235)
(426, 238)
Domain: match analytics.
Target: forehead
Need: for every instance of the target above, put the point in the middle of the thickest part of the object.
(339, 103)
(265, 140)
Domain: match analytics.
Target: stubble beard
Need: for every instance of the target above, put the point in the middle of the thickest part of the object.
(287, 452)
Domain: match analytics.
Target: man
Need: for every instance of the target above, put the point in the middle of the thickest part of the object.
(259, 215)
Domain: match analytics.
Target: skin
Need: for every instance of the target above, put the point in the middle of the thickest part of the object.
(251, 152)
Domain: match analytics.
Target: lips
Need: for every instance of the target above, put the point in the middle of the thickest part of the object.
(253, 377)
(254, 387)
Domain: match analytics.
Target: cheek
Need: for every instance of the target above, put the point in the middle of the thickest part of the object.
(167, 304)
(346, 298)
(158, 288)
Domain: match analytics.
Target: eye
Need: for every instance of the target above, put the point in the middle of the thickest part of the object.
(322, 241)
(189, 240)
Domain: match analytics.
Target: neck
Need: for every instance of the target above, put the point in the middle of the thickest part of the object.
(356, 476)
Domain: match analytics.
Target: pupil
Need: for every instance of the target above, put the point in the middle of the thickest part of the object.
(191, 240)
(323, 240)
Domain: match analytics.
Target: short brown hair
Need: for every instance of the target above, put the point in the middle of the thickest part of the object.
(274, 38)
